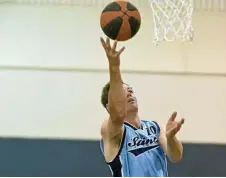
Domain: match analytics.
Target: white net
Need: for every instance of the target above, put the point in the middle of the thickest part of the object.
(172, 20)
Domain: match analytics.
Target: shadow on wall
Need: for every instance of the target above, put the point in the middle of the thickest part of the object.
(72, 158)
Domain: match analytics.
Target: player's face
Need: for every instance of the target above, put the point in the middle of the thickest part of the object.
(131, 98)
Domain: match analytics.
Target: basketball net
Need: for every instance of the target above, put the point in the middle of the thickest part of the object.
(172, 20)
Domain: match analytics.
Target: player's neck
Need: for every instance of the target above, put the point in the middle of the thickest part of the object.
(133, 119)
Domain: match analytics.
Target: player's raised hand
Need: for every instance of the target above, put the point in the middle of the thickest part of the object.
(112, 55)
(173, 126)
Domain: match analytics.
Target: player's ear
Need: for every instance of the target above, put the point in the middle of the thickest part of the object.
(107, 108)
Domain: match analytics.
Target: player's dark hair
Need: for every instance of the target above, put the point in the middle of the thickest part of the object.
(104, 95)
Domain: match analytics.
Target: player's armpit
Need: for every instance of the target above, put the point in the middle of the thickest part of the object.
(112, 136)
(111, 129)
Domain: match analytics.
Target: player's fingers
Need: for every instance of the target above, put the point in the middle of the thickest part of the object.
(176, 129)
(181, 122)
(178, 126)
(173, 131)
(114, 46)
(120, 51)
(103, 42)
(173, 116)
(108, 45)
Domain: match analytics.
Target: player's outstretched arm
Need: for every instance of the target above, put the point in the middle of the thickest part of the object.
(170, 144)
(117, 96)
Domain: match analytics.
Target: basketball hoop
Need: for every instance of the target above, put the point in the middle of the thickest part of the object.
(172, 20)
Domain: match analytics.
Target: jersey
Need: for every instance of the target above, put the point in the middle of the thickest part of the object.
(140, 154)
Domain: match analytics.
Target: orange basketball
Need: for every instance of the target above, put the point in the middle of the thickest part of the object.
(120, 20)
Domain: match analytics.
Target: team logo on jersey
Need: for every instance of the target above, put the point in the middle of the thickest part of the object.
(139, 145)
(144, 144)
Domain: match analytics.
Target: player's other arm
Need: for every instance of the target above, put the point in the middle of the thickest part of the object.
(116, 97)
(168, 140)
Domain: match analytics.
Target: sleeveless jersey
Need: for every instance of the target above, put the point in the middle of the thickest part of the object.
(140, 154)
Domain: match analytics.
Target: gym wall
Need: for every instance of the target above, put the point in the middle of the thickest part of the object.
(52, 70)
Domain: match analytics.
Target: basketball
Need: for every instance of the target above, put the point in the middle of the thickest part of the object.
(120, 20)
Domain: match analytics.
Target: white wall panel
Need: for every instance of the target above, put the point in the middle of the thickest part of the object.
(67, 105)
(68, 35)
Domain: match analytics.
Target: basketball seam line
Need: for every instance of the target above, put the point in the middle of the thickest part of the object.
(124, 13)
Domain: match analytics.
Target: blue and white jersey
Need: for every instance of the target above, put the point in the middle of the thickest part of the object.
(140, 154)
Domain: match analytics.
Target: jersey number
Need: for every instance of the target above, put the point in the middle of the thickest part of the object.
(151, 130)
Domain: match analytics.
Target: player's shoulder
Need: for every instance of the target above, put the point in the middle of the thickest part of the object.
(152, 123)
(104, 127)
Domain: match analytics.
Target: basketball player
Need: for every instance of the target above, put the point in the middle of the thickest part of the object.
(133, 147)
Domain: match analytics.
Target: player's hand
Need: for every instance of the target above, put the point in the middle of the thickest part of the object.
(112, 55)
(173, 126)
